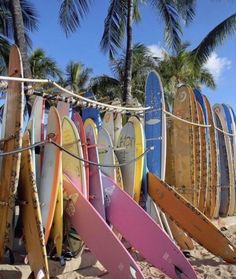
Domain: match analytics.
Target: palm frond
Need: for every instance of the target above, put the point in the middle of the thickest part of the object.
(170, 17)
(214, 38)
(114, 27)
(137, 16)
(186, 9)
(6, 26)
(29, 14)
(207, 79)
(71, 12)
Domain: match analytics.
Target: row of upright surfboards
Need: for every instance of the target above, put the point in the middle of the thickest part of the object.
(101, 181)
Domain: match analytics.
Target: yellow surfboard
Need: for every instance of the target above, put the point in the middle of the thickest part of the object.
(31, 215)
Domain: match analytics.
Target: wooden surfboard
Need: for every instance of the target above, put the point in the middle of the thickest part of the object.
(51, 171)
(214, 189)
(13, 135)
(31, 215)
(207, 193)
(190, 219)
(151, 241)
(180, 160)
(203, 160)
(98, 236)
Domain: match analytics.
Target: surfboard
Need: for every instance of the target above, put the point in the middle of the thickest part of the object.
(31, 215)
(155, 134)
(106, 152)
(51, 171)
(231, 129)
(214, 189)
(36, 127)
(80, 127)
(103, 243)
(95, 181)
(190, 219)
(63, 109)
(182, 239)
(91, 112)
(13, 140)
(151, 241)
(234, 141)
(203, 161)
(180, 161)
(196, 148)
(182, 150)
(108, 124)
(227, 176)
(130, 146)
(207, 194)
(71, 166)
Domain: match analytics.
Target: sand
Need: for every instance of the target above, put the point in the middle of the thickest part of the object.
(205, 264)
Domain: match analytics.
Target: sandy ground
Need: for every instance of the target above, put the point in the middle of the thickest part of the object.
(205, 264)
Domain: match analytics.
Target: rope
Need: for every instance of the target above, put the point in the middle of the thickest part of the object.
(226, 133)
(53, 83)
(71, 154)
(98, 164)
(186, 121)
(22, 149)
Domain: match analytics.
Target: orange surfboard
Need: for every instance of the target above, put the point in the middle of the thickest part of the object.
(190, 219)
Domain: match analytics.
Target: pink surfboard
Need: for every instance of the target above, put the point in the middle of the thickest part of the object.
(95, 179)
(77, 119)
(97, 235)
(143, 233)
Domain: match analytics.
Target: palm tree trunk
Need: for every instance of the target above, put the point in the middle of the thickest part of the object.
(127, 96)
(19, 35)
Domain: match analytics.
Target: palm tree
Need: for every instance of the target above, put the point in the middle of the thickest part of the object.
(17, 19)
(77, 77)
(181, 68)
(119, 22)
(43, 66)
(143, 62)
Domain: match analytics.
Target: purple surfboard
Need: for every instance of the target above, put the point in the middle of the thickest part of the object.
(97, 235)
(143, 233)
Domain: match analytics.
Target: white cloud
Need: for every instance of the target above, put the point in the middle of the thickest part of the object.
(217, 65)
(156, 50)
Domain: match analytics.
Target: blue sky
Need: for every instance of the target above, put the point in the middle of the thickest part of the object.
(83, 45)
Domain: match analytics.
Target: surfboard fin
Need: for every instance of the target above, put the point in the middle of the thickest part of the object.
(178, 272)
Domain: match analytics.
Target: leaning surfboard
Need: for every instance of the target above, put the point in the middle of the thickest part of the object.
(51, 171)
(13, 140)
(190, 219)
(95, 180)
(149, 239)
(97, 235)
(31, 215)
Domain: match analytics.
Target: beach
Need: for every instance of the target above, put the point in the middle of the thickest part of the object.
(206, 265)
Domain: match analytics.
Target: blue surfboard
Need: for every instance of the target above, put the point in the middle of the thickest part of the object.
(155, 125)
(92, 113)
(155, 133)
